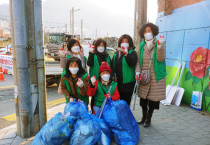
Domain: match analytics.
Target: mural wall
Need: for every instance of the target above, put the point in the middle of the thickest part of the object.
(187, 35)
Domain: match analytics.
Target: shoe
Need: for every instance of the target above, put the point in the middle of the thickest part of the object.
(144, 113)
(148, 118)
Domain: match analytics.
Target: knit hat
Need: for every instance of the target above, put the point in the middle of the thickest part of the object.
(104, 67)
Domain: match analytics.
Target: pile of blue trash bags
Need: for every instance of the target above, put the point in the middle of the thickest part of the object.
(80, 127)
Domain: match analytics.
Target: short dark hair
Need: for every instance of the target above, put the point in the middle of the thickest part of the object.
(130, 40)
(71, 42)
(79, 63)
(154, 28)
(98, 42)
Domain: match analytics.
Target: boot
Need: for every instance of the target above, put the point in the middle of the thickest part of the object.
(144, 115)
(148, 119)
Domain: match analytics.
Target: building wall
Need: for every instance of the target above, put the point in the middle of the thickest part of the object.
(186, 29)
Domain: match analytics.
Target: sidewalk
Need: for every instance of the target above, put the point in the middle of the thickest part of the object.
(171, 125)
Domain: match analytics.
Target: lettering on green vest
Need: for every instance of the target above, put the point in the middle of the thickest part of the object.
(101, 91)
(83, 98)
(127, 71)
(159, 67)
(94, 70)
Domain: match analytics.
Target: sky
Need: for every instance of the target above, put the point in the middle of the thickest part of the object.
(108, 17)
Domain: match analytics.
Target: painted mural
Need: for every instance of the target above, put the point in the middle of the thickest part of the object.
(187, 35)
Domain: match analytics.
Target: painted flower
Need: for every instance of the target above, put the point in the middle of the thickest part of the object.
(198, 62)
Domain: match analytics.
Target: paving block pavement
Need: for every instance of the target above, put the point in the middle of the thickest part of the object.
(171, 125)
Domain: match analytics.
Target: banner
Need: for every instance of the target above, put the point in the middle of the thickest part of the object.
(6, 62)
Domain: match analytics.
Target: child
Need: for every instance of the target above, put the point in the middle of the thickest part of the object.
(74, 82)
(99, 88)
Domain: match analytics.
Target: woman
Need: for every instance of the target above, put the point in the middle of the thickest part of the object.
(124, 63)
(97, 55)
(74, 81)
(99, 89)
(151, 57)
(74, 49)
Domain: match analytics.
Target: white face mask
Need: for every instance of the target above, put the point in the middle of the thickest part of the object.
(148, 36)
(100, 49)
(75, 49)
(126, 45)
(105, 77)
(74, 70)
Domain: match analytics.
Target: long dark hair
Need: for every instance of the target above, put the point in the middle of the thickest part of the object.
(71, 42)
(79, 63)
(98, 42)
(130, 41)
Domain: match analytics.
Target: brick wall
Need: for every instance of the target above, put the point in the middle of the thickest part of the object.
(169, 5)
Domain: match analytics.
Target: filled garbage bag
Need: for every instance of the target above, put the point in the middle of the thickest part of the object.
(105, 138)
(76, 108)
(118, 116)
(55, 132)
(87, 131)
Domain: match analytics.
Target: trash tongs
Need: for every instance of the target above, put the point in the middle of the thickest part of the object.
(104, 103)
(135, 93)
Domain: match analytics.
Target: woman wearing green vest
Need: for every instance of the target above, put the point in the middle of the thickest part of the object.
(74, 49)
(151, 57)
(74, 81)
(97, 55)
(98, 89)
(124, 63)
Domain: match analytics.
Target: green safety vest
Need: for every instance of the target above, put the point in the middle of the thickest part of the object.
(68, 56)
(83, 98)
(94, 70)
(101, 91)
(159, 67)
(127, 71)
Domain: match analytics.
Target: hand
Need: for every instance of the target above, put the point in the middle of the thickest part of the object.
(138, 77)
(107, 95)
(91, 50)
(80, 83)
(62, 53)
(71, 100)
(161, 41)
(125, 50)
(93, 80)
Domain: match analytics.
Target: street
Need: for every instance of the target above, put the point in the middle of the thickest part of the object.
(7, 104)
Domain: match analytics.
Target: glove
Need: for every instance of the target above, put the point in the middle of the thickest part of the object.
(80, 83)
(125, 50)
(160, 41)
(138, 77)
(107, 95)
(62, 53)
(71, 100)
(93, 80)
(91, 50)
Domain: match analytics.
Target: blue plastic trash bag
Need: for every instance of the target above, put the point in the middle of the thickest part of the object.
(119, 118)
(105, 138)
(55, 132)
(76, 108)
(87, 131)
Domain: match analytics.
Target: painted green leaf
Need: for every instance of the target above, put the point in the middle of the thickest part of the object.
(196, 80)
(188, 76)
(207, 73)
(206, 91)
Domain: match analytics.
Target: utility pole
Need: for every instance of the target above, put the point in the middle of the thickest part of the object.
(65, 28)
(96, 34)
(23, 80)
(26, 22)
(81, 29)
(140, 19)
(72, 21)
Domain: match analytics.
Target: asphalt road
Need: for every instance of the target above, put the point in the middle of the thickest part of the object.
(7, 103)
